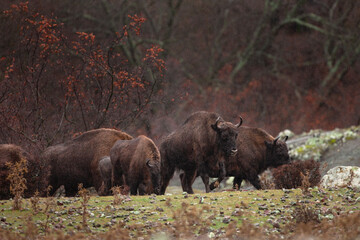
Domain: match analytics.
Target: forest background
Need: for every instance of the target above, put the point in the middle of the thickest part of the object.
(143, 66)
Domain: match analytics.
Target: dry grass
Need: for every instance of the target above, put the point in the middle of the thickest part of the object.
(49, 203)
(305, 183)
(305, 212)
(267, 180)
(35, 202)
(266, 214)
(120, 193)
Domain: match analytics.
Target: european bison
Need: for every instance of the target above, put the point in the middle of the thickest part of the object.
(257, 151)
(204, 140)
(35, 177)
(76, 161)
(105, 168)
(136, 163)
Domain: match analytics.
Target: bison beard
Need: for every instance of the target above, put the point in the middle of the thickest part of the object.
(76, 161)
(136, 163)
(192, 148)
(257, 151)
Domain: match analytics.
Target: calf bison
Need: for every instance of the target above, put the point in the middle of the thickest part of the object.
(136, 163)
(257, 151)
(204, 140)
(105, 168)
(35, 177)
(76, 161)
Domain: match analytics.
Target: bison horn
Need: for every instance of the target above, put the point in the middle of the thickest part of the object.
(286, 138)
(149, 164)
(215, 125)
(217, 120)
(275, 140)
(241, 121)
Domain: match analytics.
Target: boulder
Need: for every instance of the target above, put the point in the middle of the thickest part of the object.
(342, 177)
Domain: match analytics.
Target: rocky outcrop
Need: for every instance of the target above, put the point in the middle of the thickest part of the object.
(342, 177)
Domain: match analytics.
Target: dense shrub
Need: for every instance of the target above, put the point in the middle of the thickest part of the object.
(292, 175)
(305, 214)
(36, 175)
(17, 181)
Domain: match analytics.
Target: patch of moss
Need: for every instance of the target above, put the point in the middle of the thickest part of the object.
(320, 141)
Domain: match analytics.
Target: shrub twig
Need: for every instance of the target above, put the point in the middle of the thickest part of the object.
(85, 196)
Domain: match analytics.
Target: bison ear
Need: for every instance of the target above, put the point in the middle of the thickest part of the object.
(269, 144)
(149, 164)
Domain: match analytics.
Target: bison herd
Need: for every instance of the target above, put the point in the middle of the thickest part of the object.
(204, 145)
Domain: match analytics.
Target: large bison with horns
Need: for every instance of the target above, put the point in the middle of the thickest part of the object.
(76, 161)
(204, 140)
(257, 151)
(136, 163)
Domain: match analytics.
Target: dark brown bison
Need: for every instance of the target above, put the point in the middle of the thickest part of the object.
(136, 163)
(257, 151)
(105, 168)
(35, 177)
(204, 140)
(76, 161)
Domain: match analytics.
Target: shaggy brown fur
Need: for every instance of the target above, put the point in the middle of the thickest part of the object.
(202, 142)
(136, 163)
(76, 161)
(35, 179)
(257, 151)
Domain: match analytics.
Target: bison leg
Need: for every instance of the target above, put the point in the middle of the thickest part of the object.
(182, 180)
(189, 178)
(71, 189)
(222, 175)
(167, 174)
(107, 185)
(117, 177)
(53, 183)
(215, 184)
(142, 189)
(134, 188)
(222, 172)
(205, 178)
(237, 183)
(256, 182)
(102, 190)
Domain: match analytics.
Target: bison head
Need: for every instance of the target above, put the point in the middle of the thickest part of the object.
(154, 168)
(276, 152)
(226, 136)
